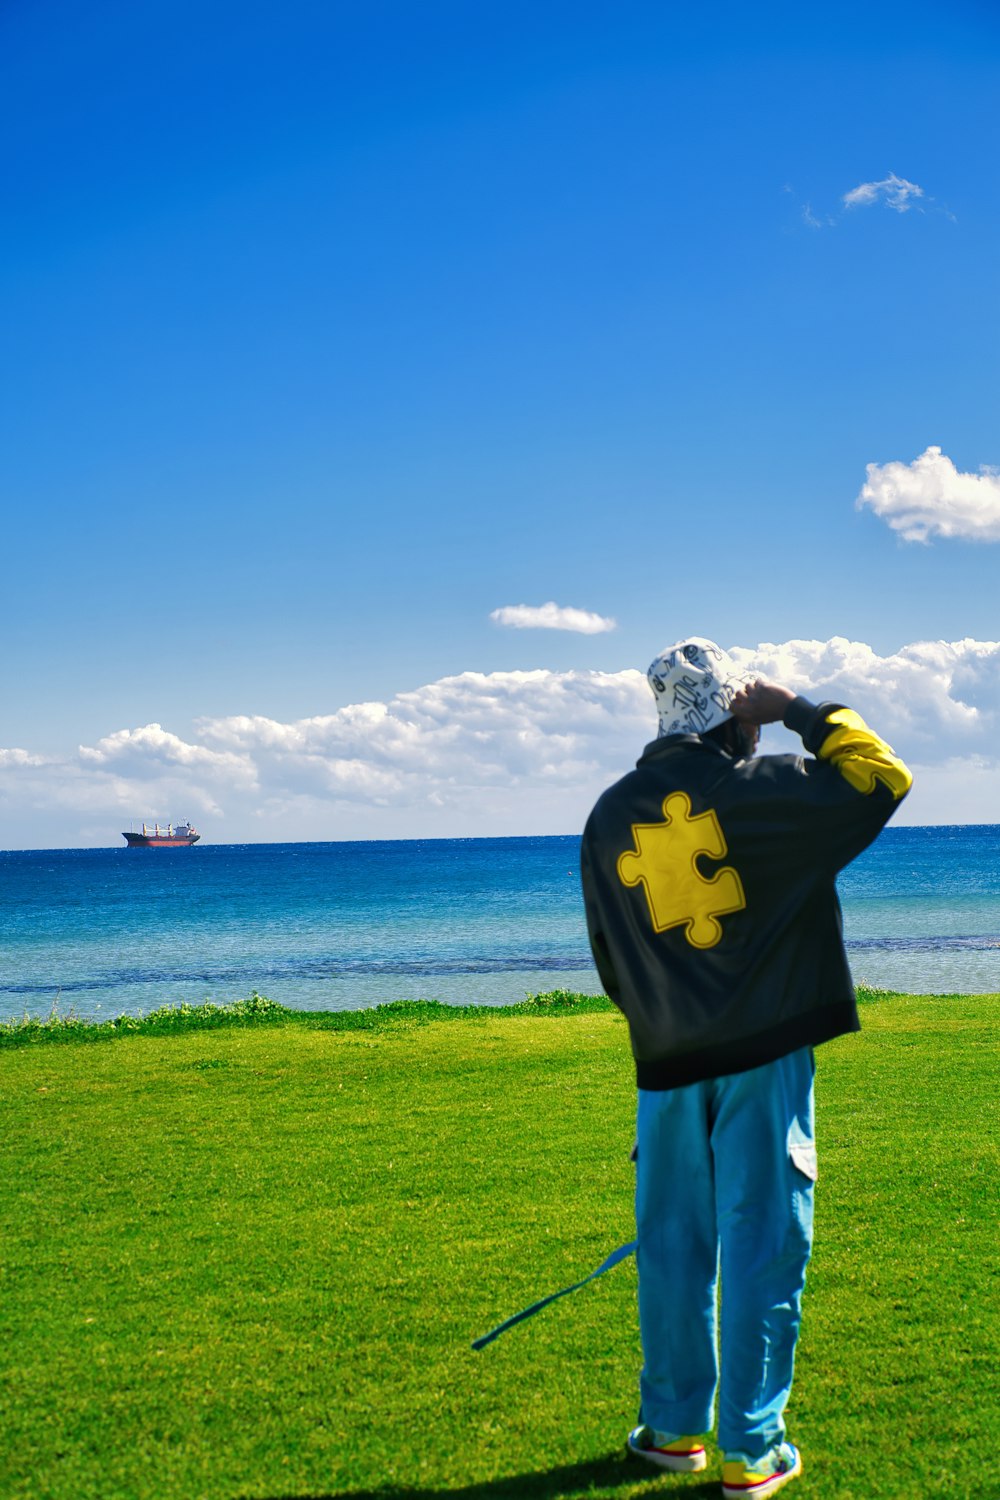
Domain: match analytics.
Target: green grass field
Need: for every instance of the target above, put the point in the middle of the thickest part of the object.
(248, 1261)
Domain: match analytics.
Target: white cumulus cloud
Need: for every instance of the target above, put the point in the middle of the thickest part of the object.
(473, 730)
(151, 750)
(9, 759)
(895, 192)
(930, 497)
(552, 616)
(934, 699)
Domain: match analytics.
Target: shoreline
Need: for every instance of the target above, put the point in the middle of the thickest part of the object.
(257, 1010)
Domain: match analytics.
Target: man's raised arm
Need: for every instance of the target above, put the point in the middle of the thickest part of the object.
(831, 732)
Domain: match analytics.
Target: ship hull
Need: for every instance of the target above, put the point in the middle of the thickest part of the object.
(159, 841)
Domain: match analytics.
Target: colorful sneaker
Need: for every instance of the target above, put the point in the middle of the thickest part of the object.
(742, 1476)
(684, 1455)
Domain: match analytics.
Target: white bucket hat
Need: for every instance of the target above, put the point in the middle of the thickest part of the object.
(694, 683)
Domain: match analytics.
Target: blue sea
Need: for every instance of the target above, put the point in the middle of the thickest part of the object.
(346, 925)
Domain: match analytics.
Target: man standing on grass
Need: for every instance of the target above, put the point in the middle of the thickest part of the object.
(708, 877)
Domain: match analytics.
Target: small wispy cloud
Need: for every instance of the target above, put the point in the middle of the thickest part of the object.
(930, 497)
(895, 192)
(815, 221)
(552, 616)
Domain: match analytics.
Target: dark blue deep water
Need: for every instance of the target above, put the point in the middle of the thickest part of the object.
(340, 926)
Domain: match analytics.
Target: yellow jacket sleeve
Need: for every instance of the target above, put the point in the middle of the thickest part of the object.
(862, 758)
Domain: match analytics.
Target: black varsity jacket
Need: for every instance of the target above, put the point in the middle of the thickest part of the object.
(709, 886)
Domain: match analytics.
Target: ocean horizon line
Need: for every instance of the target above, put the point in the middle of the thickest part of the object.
(892, 830)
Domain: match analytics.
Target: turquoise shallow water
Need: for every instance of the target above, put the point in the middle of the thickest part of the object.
(340, 926)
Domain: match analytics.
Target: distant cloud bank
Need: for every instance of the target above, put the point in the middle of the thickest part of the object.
(552, 616)
(486, 753)
(930, 497)
(895, 192)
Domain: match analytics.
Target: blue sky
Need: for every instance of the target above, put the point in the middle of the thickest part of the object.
(331, 329)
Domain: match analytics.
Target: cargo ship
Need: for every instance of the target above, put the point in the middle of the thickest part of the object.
(162, 838)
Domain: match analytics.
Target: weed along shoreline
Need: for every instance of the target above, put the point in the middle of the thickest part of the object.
(245, 1250)
(256, 1010)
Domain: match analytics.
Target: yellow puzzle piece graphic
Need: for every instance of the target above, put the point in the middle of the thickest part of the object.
(665, 861)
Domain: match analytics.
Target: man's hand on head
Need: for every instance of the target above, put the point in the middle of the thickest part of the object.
(761, 702)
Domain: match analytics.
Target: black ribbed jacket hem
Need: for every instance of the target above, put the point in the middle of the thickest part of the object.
(807, 1030)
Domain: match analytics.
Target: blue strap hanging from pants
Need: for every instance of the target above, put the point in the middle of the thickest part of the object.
(614, 1259)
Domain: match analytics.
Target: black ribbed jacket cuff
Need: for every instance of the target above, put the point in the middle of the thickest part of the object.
(808, 720)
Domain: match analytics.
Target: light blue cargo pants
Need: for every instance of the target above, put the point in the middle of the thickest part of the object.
(724, 1181)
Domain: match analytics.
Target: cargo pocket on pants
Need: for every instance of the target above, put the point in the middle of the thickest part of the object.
(802, 1147)
(803, 1156)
